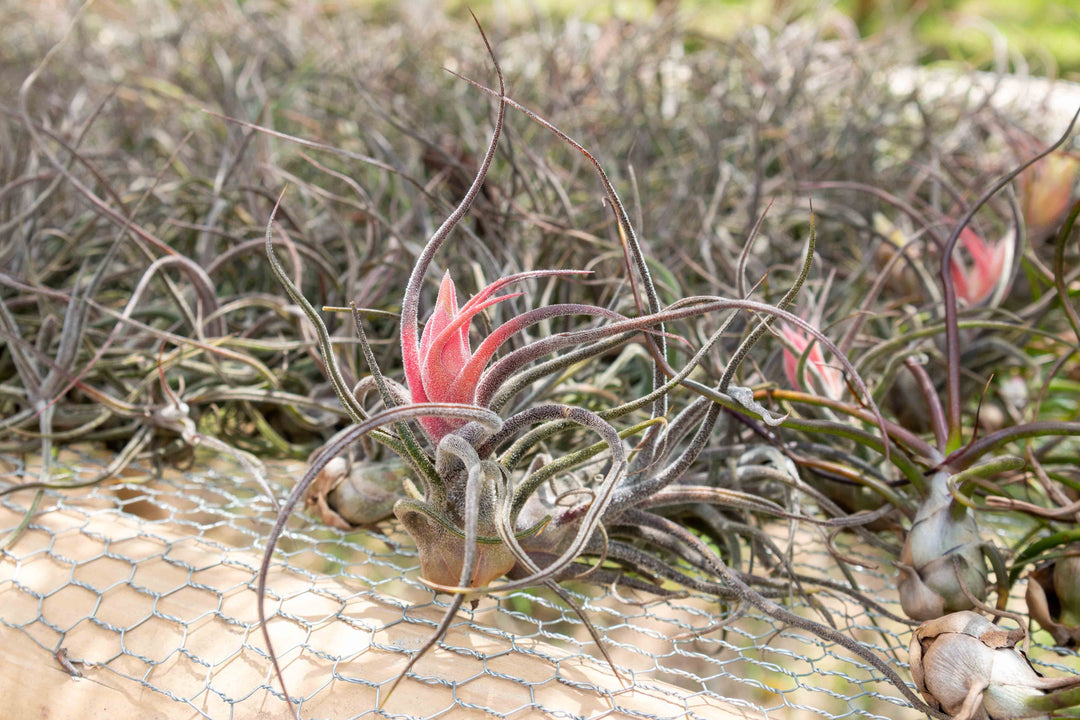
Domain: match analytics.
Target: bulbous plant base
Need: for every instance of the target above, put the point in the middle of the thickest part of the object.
(442, 551)
(942, 557)
(934, 589)
(972, 669)
(1053, 599)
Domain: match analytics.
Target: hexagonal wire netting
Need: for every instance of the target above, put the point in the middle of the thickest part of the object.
(146, 586)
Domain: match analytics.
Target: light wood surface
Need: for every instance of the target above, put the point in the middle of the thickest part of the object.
(173, 611)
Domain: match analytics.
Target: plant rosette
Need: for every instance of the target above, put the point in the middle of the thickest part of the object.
(972, 669)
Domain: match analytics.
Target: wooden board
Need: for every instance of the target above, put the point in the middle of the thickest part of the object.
(153, 614)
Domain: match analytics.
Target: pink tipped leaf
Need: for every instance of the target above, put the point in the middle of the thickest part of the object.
(445, 345)
(469, 378)
(791, 362)
(502, 282)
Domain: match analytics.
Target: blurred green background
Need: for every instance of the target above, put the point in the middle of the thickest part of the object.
(1037, 36)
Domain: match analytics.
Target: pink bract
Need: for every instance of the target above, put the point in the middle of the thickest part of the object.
(445, 368)
(976, 284)
(832, 379)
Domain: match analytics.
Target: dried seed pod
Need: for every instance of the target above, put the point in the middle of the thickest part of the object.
(942, 550)
(1053, 599)
(970, 668)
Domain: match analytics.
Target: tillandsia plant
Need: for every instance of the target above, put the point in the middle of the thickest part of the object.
(962, 663)
(485, 498)
(972, 669)
(943, 560)
(102, 297)
(1051, 499)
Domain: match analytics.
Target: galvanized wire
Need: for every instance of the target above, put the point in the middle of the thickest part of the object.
(149, 583)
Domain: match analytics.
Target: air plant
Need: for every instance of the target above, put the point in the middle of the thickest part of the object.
(1046, 191)
(943, 560)
(483, 502)
(1053, 594)
(44, 382)
(941, 563)
(972, 669)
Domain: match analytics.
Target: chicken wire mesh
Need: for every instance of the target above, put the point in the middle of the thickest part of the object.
(146, 588)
